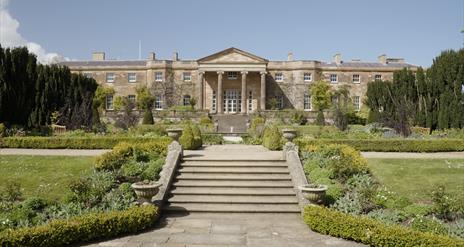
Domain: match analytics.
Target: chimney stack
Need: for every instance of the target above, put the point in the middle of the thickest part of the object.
(290, 56)
(151, 56)
(98, 56)
(382, 59)
(175, 56)
(337, 58)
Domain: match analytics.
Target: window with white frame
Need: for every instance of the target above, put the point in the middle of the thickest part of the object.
(187, 76)
(307, 77)
(378, 77)
(213, 101)
(158, 102)
(158, 76)
(280, 102)
(250, 101)
(232, 75)
(356, 78)
(333, 78)
(132, 77)
(356, 103)
(186, 100)
(279, 77)
(131, 98)
(88, 74)
(110, 77)
(109, 102)
(307, 102)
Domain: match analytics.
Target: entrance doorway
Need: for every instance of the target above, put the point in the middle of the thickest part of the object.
(232, 101)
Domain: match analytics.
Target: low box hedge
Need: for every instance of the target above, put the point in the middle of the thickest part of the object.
(369, 231)
(390, 145)
(74, 142)
(82, 228)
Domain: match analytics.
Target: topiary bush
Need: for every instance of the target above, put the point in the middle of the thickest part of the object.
(187, 139)
(272, 139)
(197, 136)
(147, 117)
(2, 130)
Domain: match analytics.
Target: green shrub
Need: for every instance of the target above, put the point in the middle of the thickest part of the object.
(82, 228)
(133, 168)
(425, 224)
(343, 160)
(272, 139)
(298, 118)
(417, 210)
(369, 231)
(206, 124)
(390, 145)
(153, 169)
(187, 139)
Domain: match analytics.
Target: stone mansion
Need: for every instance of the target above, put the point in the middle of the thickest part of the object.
(234, 81)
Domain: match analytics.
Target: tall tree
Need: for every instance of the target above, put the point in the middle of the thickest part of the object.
(321, 98)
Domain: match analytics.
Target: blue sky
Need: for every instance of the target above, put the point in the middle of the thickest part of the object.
(416, 30)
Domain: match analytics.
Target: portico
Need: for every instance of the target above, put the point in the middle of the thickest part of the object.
(231, 82)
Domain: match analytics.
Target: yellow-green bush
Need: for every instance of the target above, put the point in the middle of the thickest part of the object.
(115, 158)
(82, 228)
(369, 231)
(188, 140)
(72, 142)
(390, 145)
(272, 139)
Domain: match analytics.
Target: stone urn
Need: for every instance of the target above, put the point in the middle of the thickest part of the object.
(145, 190)
(289, 134)
(174, 134)
(315, 193)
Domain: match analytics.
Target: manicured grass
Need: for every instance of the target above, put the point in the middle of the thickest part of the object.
(45, 176)
(415, 178)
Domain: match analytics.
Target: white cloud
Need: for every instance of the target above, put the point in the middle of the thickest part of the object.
(10, 37)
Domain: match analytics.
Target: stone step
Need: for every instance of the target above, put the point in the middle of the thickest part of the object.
(232, 183)
(232, 191)
(223, 163)
(216, 176)
(233, 199)
(236, 170)
(232, 208)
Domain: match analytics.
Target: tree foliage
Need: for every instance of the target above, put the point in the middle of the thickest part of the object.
(342, 107)
(321, 98)
(31, 92)
(433, 98)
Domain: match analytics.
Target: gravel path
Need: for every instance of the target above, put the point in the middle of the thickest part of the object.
(236, 150)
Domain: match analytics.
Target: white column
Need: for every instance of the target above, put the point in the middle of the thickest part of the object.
(244, 92)
(200, 89)
(262, 103)
(220, 93)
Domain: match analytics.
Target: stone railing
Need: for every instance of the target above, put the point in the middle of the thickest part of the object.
(168, 172)
(290, 154)
(177, 115)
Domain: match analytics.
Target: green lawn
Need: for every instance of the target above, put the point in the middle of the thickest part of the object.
(415, 178)
(45, 176)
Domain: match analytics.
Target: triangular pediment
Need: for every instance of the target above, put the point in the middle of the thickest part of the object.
(232, 55)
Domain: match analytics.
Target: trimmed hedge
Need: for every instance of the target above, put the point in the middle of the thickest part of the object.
(74, 142)
(390, 145)
(83, 228)
(369, 231)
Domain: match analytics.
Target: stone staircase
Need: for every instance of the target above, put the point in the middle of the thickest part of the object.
(239, 184)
